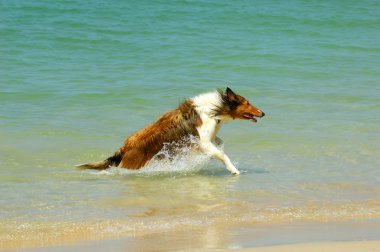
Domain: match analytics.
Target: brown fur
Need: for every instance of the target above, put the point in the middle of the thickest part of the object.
(235, 106)
(141, 146)
(170, 128)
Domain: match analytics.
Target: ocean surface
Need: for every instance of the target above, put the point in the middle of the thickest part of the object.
(78, 77)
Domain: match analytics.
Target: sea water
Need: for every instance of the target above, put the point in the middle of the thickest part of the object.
(77, 78)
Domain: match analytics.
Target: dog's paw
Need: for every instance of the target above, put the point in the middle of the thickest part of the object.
(235, 173)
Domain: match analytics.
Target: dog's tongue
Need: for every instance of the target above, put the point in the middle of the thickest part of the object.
(250, 117)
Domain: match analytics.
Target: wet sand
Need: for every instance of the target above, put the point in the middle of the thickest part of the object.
(363, 246)
(360, 236)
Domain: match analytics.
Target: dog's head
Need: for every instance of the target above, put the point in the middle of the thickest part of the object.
(238, 107)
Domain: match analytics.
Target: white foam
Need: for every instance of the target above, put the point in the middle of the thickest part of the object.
(187, 159)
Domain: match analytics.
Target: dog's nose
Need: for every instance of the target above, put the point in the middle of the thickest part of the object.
(262, 114)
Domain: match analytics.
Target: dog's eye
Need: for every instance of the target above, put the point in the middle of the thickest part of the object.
(248, 104)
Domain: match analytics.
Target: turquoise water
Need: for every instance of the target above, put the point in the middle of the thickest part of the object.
(76, 78)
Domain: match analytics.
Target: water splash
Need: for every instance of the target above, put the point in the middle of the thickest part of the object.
(182, 156)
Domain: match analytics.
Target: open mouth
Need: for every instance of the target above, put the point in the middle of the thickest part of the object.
(250, 117)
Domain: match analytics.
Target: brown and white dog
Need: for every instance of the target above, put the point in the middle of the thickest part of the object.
(200, 117)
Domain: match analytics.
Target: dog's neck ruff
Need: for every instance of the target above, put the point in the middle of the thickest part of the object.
(209, 104)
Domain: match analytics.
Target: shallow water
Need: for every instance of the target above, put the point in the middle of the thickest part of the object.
(77, 78)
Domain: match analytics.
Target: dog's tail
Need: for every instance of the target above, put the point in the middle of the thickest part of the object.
(102, 165)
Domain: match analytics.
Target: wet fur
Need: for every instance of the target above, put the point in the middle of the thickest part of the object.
(141, 146)
(201, 117)
(175, 125)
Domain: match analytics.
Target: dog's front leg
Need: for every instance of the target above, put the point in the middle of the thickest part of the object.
(210, 149)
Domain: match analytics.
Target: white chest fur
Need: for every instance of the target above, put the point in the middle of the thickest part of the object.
(205, 105)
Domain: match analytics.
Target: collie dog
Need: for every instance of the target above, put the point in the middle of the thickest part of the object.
(200, 117)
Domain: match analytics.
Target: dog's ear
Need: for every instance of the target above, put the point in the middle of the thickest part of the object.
(230, 94)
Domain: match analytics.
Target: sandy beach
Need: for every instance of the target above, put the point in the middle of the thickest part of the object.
(358, 246)
(359, 236)
(363, 246)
